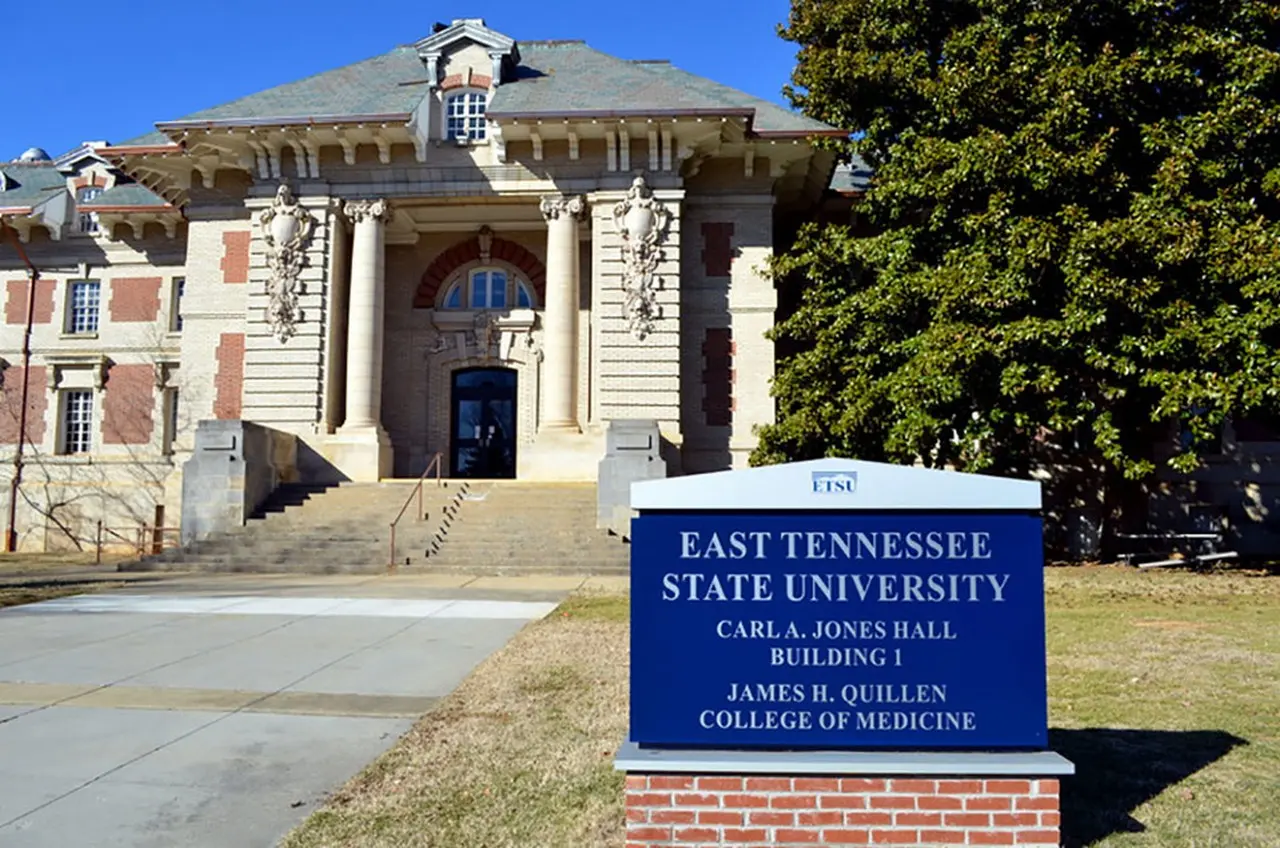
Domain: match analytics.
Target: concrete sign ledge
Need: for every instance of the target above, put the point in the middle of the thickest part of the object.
(844, 485)
(632, 758)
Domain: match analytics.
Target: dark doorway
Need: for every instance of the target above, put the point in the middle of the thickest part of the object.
(484, 423)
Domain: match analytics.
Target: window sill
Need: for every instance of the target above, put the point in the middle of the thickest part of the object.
(78, 336)
(457, 320)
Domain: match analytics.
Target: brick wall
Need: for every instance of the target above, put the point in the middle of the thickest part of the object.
(15, 305)
(709, 810)
(135, 298)
(127, 403)
(11, 404)
(717, 249)
(235, 256)
(229, 382)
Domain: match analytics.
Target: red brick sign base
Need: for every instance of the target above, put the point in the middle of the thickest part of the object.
(743, 810)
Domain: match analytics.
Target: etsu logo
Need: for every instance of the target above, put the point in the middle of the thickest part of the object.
(835, 482)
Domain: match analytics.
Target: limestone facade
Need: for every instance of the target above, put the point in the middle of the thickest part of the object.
(479, 263)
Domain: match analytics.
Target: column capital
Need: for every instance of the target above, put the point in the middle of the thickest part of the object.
(555, 205)
(368, 210)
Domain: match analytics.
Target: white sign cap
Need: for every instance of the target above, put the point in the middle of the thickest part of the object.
(837, 485)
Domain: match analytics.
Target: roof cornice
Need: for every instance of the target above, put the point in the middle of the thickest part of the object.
(588, 114)
(283, 121)
(469, 28)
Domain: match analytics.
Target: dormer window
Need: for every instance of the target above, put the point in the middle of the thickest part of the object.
(488, 288)
(464, 115)
(88, 221)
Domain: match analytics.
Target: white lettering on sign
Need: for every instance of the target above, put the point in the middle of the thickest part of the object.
(840, 588)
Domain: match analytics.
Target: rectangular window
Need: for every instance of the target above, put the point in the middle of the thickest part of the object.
(175, 307)
(77, 422)
(464, 116)
(170, 419)
(82, 308)
(88, 220)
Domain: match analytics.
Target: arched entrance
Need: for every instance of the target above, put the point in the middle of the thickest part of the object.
(483, 404)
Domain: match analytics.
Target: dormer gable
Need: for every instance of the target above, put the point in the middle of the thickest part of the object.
(436, 49)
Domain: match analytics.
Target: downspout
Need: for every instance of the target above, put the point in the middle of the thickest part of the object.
(11, 532)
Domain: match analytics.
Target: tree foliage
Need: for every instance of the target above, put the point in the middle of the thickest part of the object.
(1074, 231)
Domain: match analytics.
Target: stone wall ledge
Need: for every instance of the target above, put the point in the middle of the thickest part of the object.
(633, 758)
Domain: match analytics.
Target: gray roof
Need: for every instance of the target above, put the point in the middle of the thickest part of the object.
(391, 84)
(553, 78)
(851, 177)
(145, 140)
(131, 194)
(769, 117)
(558, 77)
(30, 183)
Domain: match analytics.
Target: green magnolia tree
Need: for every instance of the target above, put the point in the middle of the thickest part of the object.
(1074, 235)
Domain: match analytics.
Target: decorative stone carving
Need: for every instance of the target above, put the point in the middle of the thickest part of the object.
(554, 206)
(641, 220)
(286, 230)
(485, 238)
(487, 333)
(368, 210)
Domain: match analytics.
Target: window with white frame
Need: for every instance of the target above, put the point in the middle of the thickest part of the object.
(77, 421)
(175, 304)
(82, 306)
(464, 115)
(88, 220)
(488, 288)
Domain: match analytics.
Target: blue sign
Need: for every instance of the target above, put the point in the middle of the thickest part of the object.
(853, 630)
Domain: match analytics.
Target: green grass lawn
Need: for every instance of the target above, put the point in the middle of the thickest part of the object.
(1164, 689)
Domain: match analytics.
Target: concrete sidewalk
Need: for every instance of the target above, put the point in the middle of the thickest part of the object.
(218, 710)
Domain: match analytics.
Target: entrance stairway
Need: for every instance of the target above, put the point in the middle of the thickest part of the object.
(527, 528)
(469, 527)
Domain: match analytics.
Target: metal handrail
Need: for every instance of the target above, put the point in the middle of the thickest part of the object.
(138, 542)
(437, 462)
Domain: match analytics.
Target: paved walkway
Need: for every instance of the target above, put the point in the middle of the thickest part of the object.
(204, 710)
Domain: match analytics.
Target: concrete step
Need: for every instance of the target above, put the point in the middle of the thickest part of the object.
(469, 527)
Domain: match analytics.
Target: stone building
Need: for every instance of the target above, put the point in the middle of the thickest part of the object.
(469, 247)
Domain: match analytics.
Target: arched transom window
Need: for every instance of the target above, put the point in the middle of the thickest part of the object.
(488, 288)
(464, 115)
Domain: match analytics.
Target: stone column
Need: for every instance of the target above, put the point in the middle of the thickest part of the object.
(365, 313)
(560, 315)
(361, 448)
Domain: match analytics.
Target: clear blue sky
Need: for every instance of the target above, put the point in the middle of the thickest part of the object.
(109, 73)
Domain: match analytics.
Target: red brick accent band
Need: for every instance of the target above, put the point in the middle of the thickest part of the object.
(235, 257)
(718, 377)
(15, 306)
(459, 81)
(717, 249)
(94, 180)
(228, 383)
(709, 810)
(127, 401)
(135, 298)
(11, 404)
(501, 250)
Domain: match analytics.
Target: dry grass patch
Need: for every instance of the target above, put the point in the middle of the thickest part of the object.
(1163, 689)
(19, 564)
(34, 592)
(520, 755)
